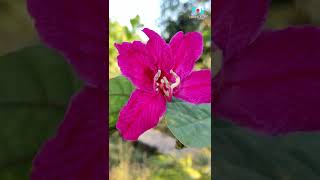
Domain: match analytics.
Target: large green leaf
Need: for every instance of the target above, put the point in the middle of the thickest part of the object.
(35, 86)
(119, 92)
(239, 154)
(190, 124)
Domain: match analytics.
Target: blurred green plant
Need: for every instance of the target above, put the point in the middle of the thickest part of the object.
(127, 162)
(36, 84)
(249, 155)
(16, 29)
(283, 13)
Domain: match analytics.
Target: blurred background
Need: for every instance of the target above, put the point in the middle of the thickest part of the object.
(36, 84)
(25, 123)
(16, 29)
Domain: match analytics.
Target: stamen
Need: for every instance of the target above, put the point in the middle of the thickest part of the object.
(176, 84)
(158, 74)
(163, 85)
(166, 93)
(166, 82)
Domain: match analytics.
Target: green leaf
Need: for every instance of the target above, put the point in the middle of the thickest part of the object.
(17, 171)
(120, 90)
(135, 23)
(36, 84)
(249, 155)
(190, 124)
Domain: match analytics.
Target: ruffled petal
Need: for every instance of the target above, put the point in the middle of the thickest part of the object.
(186, 50)
(237, 23)
(77, 29)
(273, 85)
(196, 88)
(135, 63)
(79, 150)
(159, 50)
(142, 112)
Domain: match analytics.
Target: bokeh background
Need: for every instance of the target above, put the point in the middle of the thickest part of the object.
(16, 30)
(241, 154)
(36, 84)
(34, 95)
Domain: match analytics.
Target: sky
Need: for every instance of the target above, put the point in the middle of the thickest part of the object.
(148, 10)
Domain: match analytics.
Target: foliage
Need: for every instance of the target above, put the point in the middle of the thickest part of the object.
(119, 92)
(36, 84)
(16, 29)
(190, 124)
(128, 161)
(252, 156)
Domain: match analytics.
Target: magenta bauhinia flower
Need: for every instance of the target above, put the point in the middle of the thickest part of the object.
(160, 71)
(78, 30)
(270, 80)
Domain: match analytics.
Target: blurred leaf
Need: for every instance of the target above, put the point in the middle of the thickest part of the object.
(15, 171)
(135, 23)
(251, 156)
(36, 84)
(119, 92)
(16, 29)
(190, 124)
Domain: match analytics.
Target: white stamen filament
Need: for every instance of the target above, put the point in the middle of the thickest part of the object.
(156, 77)
(164, 85)
(166, 82)
(176, 84)
(166, 93)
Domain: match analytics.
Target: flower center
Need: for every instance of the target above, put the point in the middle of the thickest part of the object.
(163, 85)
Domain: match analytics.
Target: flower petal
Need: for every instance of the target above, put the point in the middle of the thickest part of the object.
(159, 50)
(237, 23)
(135, 63)
(142, 112)
(79, 150)
(186, 50)
(273, 85)
(78, 29)
(196, 88)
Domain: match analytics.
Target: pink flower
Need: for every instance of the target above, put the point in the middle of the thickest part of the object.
(160, 71)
